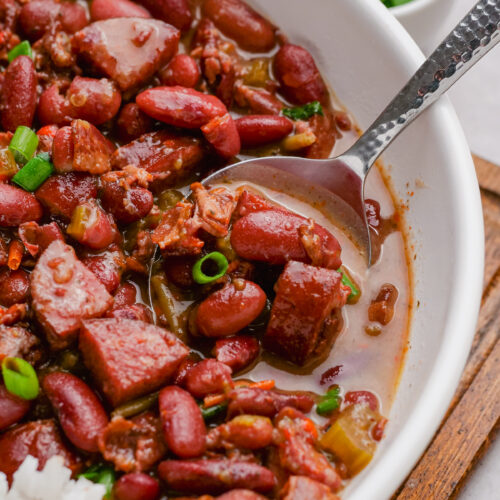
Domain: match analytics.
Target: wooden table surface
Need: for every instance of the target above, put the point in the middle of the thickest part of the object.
(473, 417)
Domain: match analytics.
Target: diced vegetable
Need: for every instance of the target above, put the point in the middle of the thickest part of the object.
(300, 141)
(20, 378)
(349, 438)
(347, 281)
(221, 262)
(394, 3)
(101, 474)
(21, 49)
(34, 173)
(304, 112)
(23, 144)
(136, 406)
(329, 402)
(16, 253)
(8, 166)
(166, 302)
(83, 216)
(213, 411)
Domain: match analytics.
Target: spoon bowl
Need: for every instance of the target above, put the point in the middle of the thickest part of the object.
(338, 183)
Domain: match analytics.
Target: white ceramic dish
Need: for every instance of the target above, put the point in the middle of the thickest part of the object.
(424, 19)
(367, 56)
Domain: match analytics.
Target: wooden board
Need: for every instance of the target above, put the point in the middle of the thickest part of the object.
(474, 414)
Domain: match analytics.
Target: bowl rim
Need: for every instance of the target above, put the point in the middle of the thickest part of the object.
(411, 7)
(400, 456)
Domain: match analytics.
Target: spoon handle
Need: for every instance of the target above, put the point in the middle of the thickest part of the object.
(472, 38)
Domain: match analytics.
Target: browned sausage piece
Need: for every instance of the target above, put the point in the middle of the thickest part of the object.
(129, 358)
(382, 308)
(305, 298)
(64, 293)
(207, 377)
(215, 475)
(127, 50)
(40, 439)
(17, 342)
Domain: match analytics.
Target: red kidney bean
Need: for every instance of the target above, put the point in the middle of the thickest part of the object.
(240, 494)
(237, 352)
(273, 236)
(361, 397)
(17, 206)
(136, 485)
(208, 376)
(382, 308)
(256, 130)
(125, 296)
(182, 371)
(249, 432)
(241, 23)
(96, 229)
(53, 108)
(254, 401)
(80, 413)
(222, 134)
(63, 150)
(62, 193)
(15, 287)
(18, 99)
(126, 205)
(36, 17)
(298, 75)
(132, 122)
(93, 100)
(215, 475)
(174, 12)
(183, 425)
(259, 101)
(180, 107)
(73, 17)
(229, 310)
(182, 70)
(12, 408)
(107, 9)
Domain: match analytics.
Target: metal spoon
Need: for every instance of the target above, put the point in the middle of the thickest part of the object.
(338, 183)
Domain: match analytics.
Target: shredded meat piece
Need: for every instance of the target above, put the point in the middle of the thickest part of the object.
(128, 176)
(133, 445)
(319, 253)
(176, 232)
(214, 209)
(17, 341)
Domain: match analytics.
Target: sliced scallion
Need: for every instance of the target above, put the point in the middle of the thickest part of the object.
(20, 378)
(101, 474)
(329, 402)
(213, 411)
(21, 49)
(347, 281)
(23, 144)
(220, 261)
(34, 173)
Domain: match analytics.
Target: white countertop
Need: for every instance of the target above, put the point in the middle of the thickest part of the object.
(476, 98)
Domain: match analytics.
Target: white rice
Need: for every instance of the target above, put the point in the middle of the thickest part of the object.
(52, 483)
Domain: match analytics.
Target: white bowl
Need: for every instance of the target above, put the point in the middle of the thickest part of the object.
(423, 19)
(367, 57)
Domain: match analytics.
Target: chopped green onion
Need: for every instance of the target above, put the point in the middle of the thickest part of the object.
(20, 378)
(21, 49)
(329, 402)
(394, 3)
(222, 264)
(136, 406)
(34, 173)
(23, 144)
(213, 411)
(101, 474)
(347, 281)
(304, 112)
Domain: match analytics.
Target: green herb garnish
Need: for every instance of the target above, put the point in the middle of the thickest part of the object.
(101, 474)
(304, 112)
(221, 262)
(347, 281)
(213, 411)
(23, 144)
(21, 49)
(329, 402)
(34, 173)
(20, 378)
